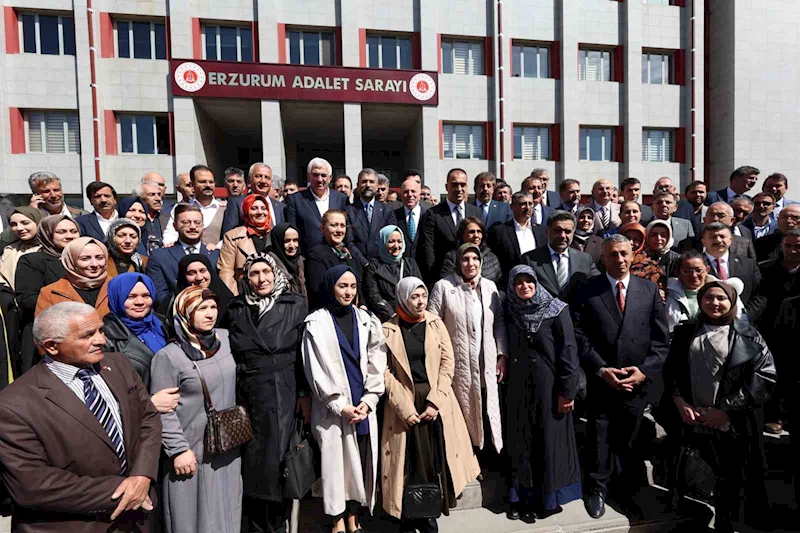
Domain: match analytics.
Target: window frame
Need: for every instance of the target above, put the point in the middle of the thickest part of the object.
(37, 32)
(670, 67)
(583, 63)
(538, 46)
(452, 41)
(548, 129)
(675, 3)
(218, 41)
(481, 141)
(134, 133)
(131, 45)
(44, 132)
(302, 47)
(398, 55)
(587, 148)
(670, 157)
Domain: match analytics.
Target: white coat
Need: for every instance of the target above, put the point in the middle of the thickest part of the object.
(342, 477)
(450, 300)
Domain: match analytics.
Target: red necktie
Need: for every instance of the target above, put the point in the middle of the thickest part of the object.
(621, 297)
(721, 272)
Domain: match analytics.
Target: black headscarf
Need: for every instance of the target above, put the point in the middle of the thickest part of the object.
(730, 292)
(224, 295)
(277, 237)
(342, 314)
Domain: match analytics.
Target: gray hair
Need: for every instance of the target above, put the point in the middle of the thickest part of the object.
(278, 182)
(36, 177)
(318, 162)
(253, 168)
(367, 172)
(728, 208)
(382, 180)
(138, 191)
(617, 238)
(56, 321)
(743, 200)
(538, 172)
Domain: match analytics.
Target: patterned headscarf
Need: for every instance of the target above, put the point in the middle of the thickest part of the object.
(633, 226)
(263, 303)
(383, 239)
(249, 223)
(529, 314)
(69, 258)
(195, 344)
(115, 252)
(47, 228)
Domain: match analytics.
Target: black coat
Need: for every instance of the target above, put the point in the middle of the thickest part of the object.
(769, 246)
(319, 260)
(412, 247)
(269, 377)
(35, 271)
(439, 237)
(745, 269)
(502, 239)
(777, 284)
(581, 268)
(380, 281)
(364, 235)
(490, 268)
(121, 339)
(593, 247)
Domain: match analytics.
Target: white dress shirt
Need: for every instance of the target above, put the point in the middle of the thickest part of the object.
(525, 238)
(323, 204)
(187, 246)
(209, 212)
(536, 216)
(723, 259)
(625, 282)
(452, 207)
(65, 210)
(106, 222)
(417, 209)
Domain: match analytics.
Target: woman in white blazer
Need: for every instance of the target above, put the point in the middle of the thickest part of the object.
(472, 311)
(344, 354)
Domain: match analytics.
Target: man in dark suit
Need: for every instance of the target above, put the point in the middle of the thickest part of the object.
(551, 199)
(717, 239)
(769, 247)
(259, 181)
(623, 338)
(560, 268)
(537, 188)
(493, 212)
(761, 222)
(632, 192)
(162, 266)
(721, 212)
(366, 216)
(439, 225)
(304, 209)
(510, 240)
(664, 206)
(692, 207)
(103, 198)
(79, 436)
(570, 195)
(741, 180)
(409, 216)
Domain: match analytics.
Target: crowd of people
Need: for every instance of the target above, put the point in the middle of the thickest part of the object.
(420, 340)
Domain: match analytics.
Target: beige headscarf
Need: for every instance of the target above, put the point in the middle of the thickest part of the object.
(69, 258)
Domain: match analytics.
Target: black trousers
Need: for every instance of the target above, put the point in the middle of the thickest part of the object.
(264, 516)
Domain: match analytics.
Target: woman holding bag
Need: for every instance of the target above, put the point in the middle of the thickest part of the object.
(424, 433)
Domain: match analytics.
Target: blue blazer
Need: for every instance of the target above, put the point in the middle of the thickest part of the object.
(364, 236)
(162, 267)
(302, 213)
(499, 213)
(553, 200)
(233, 213)
(90, 227)
(720, 196)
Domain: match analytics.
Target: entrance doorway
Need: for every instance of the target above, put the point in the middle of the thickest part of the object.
(312, 129)
(231, 133)
(391, 137)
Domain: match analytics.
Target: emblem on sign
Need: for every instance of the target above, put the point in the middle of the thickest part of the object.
(422, 87)
(190, 77)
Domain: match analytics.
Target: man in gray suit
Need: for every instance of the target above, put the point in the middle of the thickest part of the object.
(664, 205)
(560, 269)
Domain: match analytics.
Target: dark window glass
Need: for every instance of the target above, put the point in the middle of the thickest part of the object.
(161, 41)
(227, 44)
(68, 34)
(211, 43)
(29, 33)
(389, 52)
(123, 39)
(126, 127)
(48, 35)
(246, 38)
(372, 52)
(328, 50)
(145, 144)
(405, 53)
(294, 47)
(162, 134)
(447, 57)
(141, 40)
(311, 48)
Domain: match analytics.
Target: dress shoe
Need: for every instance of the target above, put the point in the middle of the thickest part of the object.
(595, 504)
(529, 517)
(775, 428)
(541, 514)
(513, 512)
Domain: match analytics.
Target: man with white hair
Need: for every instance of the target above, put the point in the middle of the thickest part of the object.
(259, 181)
(157, 217)
(304, 209)
(48, 196)
(79, 437)
(276, 192)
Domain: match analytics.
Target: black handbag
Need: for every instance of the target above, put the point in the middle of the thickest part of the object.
(421, 500)
(299, 470)
(695, 476)
(226, 430)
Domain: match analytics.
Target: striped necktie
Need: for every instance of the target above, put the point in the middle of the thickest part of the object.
(102, 412)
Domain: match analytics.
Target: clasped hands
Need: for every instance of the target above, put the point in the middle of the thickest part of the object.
(132, 494)
(622, 379)
(711, 418)
(430, 413)
(355, 414)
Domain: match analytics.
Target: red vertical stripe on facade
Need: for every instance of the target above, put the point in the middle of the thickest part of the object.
(17, 124)
(680, 145)
(110, 126)
(12, 30)
(680, 67)
(256, 55)
(416, 51)
(488, 56)
(441, 140)
(555, 142)
(619, 144)
(489, 141)
(338, 31)
(281, 43)
(106, 35)
(439, 53)
(167, 31)
(197, 40)
(555, 60)
(619, 64)
(362, 47)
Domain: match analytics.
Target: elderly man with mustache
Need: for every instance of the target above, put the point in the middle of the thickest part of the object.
(103, 198)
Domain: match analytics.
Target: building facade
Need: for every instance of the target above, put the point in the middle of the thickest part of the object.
(587, 89)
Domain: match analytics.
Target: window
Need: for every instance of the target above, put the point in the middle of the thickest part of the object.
(311, 47)
(143, 134)
(462, 57)
(662, 2)
(594, 65)
(463, 141)
(656, 68)
(530, 61)
(228, 43)
(52, 132)
(657, 146)
(141, 40)
(47, 34)
(388, 52)
(596, 144)
(531, 142)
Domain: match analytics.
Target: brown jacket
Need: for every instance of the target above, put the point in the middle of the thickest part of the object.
(63, 291)
(111, 268)
(58, 462)
(236, 246)
(399, 405)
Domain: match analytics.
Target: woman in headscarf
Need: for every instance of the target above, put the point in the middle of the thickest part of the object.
(658, 244)
(330, 253)
(266, 325)
(122, 240)
(24, 224)
(382, 274)
(641, 265)
(285, 250)
(134, 208)
(196, 270)
(584, 238)
(472, 311)
(472, 230)
(86, 278)
(344, 356)
(720, 373)
(424, 438)
(243, 241)
(201, 494)
(542, 383)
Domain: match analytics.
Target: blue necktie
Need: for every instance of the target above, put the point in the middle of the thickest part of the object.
(412, 226)
(485, 209)
(369, 212)
(102, 412)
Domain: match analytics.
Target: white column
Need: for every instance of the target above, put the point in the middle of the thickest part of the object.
(272, 136)
(569, 92)
(429, 49)
(353, 148)
(632, 106)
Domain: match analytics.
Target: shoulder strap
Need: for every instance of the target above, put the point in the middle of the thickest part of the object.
(206, 395)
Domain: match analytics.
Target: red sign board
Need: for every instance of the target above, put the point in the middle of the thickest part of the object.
(265, 81)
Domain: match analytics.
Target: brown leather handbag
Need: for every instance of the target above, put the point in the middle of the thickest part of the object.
(226, 430)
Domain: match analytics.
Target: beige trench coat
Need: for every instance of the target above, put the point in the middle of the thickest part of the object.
(342, 477)
(399, 405)
(236, 246)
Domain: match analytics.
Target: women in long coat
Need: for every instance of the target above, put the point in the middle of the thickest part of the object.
(419, 397)
(542, 382)
(472, 311)
(720, 373)
(383, 273)
(200, 494)
(344, 355)
(471, 229)
(266, 324)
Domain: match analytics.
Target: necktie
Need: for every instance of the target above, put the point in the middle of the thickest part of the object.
(102, 412)
(369, 212)
(604, 216)
(412, 226)
(191, 250)
(485, 209)
(459, 216)
(721, 272)
(621, 296)
(562, 273)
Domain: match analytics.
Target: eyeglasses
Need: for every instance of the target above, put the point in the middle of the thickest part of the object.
(190, 223)
(765, 204)
(690, 271)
